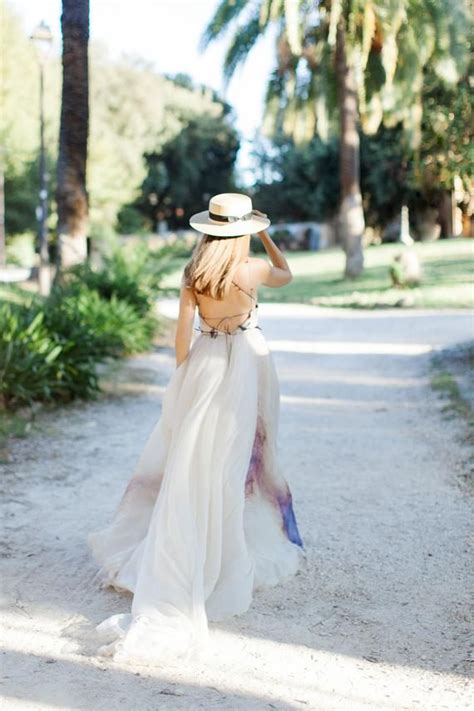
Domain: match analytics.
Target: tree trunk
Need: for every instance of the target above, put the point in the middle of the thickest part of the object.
(351, 211)
(71, 193)
(446, 214)
(3, 249)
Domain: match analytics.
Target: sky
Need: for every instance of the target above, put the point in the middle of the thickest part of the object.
(167, 32)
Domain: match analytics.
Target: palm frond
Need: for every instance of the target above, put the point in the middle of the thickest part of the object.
(324, 93)
(226, 12)
(392, 16)
(270, 10)
(274, 102)
(243, 41)
(335, 14)
(289, 108)
(369, 24)
(388, 45)
(293, 25)
(452, 26)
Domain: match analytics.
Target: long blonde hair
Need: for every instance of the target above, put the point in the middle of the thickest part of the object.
(212, 265)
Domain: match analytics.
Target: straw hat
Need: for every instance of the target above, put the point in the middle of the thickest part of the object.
(229, 215)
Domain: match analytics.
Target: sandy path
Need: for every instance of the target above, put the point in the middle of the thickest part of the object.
(378, 619)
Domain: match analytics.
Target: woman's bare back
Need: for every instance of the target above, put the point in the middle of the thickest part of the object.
(236, 308)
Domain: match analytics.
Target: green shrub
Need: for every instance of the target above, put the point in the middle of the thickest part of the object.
(36, 364)
(49, 348)
(113, 327)
(129, 220)
(110, 283)
(50, 353)
(130, 275)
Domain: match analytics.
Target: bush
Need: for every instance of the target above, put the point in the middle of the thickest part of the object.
(109, 283)
(49, 348)
(114, 327)
(133, 276)
(130, 220)
(50, 351)
(39, 365)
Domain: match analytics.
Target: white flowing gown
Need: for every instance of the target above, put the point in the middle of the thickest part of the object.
(207, 517)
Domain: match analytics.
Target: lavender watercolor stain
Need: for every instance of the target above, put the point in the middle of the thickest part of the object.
(289, 520)
(255, 469)
(280, 499)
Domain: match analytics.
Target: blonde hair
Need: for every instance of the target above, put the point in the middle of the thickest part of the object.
(212, 264)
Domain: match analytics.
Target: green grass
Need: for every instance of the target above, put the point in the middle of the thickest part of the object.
(444, 382)
(452, 377)
(448, 278)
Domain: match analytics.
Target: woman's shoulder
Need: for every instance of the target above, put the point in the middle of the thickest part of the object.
(259, 267)
(249, 273)
(256, 264)
(257, 260)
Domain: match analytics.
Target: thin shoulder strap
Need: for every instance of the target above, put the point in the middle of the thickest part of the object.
(239, 287)
(250, 281)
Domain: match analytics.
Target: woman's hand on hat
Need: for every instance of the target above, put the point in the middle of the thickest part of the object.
(260, 214)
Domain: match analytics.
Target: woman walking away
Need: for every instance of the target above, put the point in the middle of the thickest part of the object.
(207, 517)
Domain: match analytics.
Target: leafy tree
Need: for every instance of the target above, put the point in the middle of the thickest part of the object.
(183, 175)
(119, 132)
(306, 185)
(445, 157)
(19, 124)
(385, 168)
(21, 196)
(342, 64)
(19, 117)
(393, 173)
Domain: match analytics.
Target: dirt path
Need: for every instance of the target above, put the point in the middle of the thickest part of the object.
(378, 620)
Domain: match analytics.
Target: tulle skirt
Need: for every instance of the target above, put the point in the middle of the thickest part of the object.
(207, 517)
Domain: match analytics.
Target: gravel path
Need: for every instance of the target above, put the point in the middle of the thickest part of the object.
(379, 617)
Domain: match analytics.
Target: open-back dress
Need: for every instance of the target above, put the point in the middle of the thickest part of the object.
(207, 516)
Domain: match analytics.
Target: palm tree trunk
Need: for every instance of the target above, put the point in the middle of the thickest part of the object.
(351, 213)
(71, 193)
(3, 252)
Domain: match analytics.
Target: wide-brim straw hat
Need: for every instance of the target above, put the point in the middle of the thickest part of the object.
(229, 215)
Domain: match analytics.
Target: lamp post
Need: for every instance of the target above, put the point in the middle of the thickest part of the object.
(42, 39)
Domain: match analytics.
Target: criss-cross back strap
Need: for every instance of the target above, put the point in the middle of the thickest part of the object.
(240, 288)
(215, 327)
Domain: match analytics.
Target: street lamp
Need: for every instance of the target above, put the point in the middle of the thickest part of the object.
(42, 39)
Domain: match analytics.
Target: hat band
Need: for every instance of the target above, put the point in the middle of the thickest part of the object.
(229, 218)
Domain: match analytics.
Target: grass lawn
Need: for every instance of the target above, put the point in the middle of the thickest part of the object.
(448, 278)
(453, 377)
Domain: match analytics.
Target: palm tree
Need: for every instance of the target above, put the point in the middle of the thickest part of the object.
(72, 198)
(346, 65)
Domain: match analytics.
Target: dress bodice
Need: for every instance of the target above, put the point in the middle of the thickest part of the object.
(219, 325)
(250, 322)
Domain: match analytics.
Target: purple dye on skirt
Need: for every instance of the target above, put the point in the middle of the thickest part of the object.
(256, 476)
(289, 520)
(256, 460)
